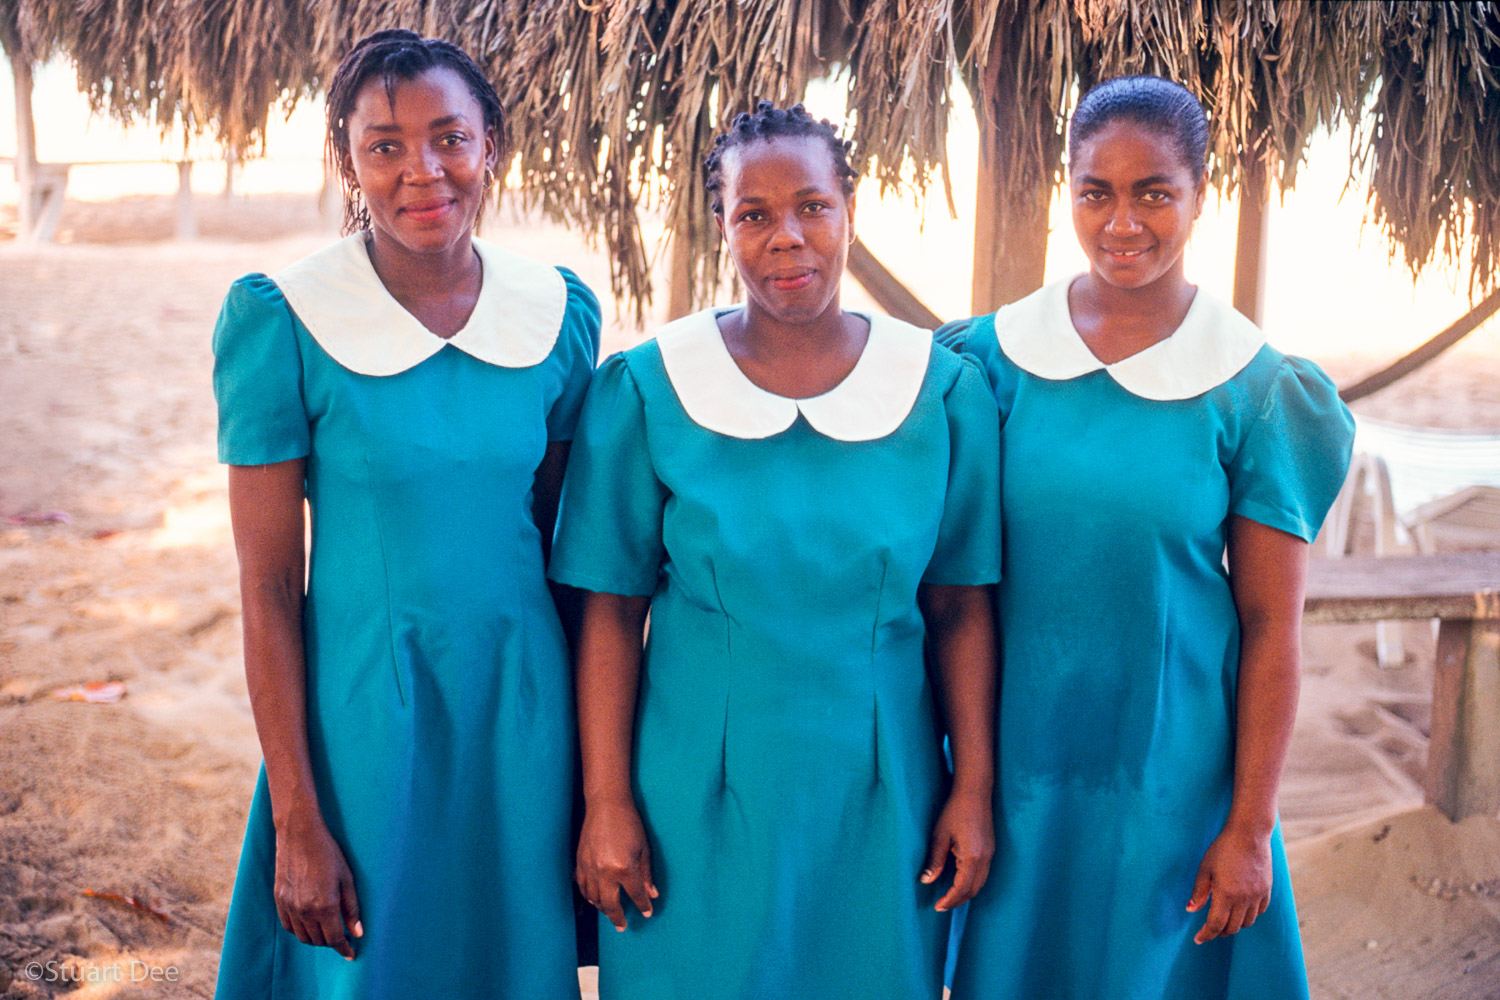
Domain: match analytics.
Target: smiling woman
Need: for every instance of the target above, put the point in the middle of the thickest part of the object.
(800, 496)
(409, 835)
(1148, 690)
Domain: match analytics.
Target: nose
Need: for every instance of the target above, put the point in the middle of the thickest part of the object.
(1122, 221)
(788, 232)
(423, 165)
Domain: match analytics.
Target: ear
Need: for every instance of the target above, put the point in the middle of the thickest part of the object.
(852, 236)
(492, 151)
(346, 167)
(719, 221)
(1201, 193)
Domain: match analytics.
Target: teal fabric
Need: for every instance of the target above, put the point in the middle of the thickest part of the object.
(1120, 655)
(439, 697)
(788, 760)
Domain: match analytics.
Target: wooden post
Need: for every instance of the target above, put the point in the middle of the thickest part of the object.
(1463, 763)
(680, 278)
(29, 204)
(1010, 227)
(231, 168)
(1250, 243)
(187, 218)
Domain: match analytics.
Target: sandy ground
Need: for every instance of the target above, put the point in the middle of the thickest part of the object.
(106, 426)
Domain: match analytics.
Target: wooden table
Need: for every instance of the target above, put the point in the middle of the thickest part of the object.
(1462, 591)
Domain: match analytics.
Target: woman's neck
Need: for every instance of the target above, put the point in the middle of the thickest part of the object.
(797, 360)
(440, 288)
(423, 275)
(1116, 323)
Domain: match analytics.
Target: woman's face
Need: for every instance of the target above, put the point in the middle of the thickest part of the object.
(420, 157)
(788, 224)
(1134, 202)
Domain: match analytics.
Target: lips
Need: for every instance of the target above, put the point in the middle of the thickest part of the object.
(791, 279)
(1125, 255)
(428, 211)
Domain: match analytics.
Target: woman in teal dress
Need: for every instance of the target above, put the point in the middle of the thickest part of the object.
(1147, 690)
(800, 496)
(410, 831)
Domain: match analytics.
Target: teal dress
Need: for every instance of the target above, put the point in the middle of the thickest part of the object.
(788, 760)
(1120, 647)
(439, 700)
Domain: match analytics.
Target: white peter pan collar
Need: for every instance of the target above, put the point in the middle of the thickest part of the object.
(1213, 344)
(337, 295)
(871, 401)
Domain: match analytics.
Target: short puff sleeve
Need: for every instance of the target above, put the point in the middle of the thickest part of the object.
(968, 544)
(258, 377)
(578, 348)
(1292, 463)
(609, 524)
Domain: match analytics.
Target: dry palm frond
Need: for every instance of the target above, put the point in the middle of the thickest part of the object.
(1434, 135)
(612, 103)
(201, 65)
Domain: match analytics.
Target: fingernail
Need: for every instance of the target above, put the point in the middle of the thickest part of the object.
(359, 929)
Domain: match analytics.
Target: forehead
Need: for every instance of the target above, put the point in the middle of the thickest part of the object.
(434, 93)
(782, 163)
(1124, 149)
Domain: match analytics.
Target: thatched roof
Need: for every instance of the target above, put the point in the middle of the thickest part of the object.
(613, 101)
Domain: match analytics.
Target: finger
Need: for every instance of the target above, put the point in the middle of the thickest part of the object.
(609, 904)
(349, 905)
(1218, 917)
(331, 925)
(281, 914)
(299, 927)
(646, 880)
(937, 856)
(962, 889)
(981, 873)
(314, 930)
(634, 884)
(1201, 886)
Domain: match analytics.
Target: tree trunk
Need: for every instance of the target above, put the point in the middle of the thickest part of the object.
(1250, 244)
(1010, 225)
(29, 203)
(187, 216)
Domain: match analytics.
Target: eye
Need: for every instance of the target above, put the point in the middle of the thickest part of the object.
(1155, 198)
(383, 147)
(754, 215)
(1094, 194)
(453, 139)
(814, 208)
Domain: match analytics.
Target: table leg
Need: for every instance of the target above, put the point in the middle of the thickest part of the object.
(1463, 757)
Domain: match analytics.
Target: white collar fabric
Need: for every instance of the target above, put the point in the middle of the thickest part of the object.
(337, 295)
(1213, 344)
(871, 401)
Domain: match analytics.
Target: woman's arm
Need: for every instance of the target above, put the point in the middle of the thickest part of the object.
(314, 890)
(612, 850)
(961, 629)
(1267, 574)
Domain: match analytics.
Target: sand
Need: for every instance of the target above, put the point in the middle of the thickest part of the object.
(106, 419)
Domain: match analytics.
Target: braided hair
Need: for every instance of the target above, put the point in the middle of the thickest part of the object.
(1149, 101)
(394, 56)
(769, 122)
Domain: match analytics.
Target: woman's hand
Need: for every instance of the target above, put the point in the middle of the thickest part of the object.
(613, 856)
(314, 889)
(965, 829)
(1236, 874)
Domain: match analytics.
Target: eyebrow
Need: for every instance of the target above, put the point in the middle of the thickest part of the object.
(436, 123)
(1155, 180)
(756, 199)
